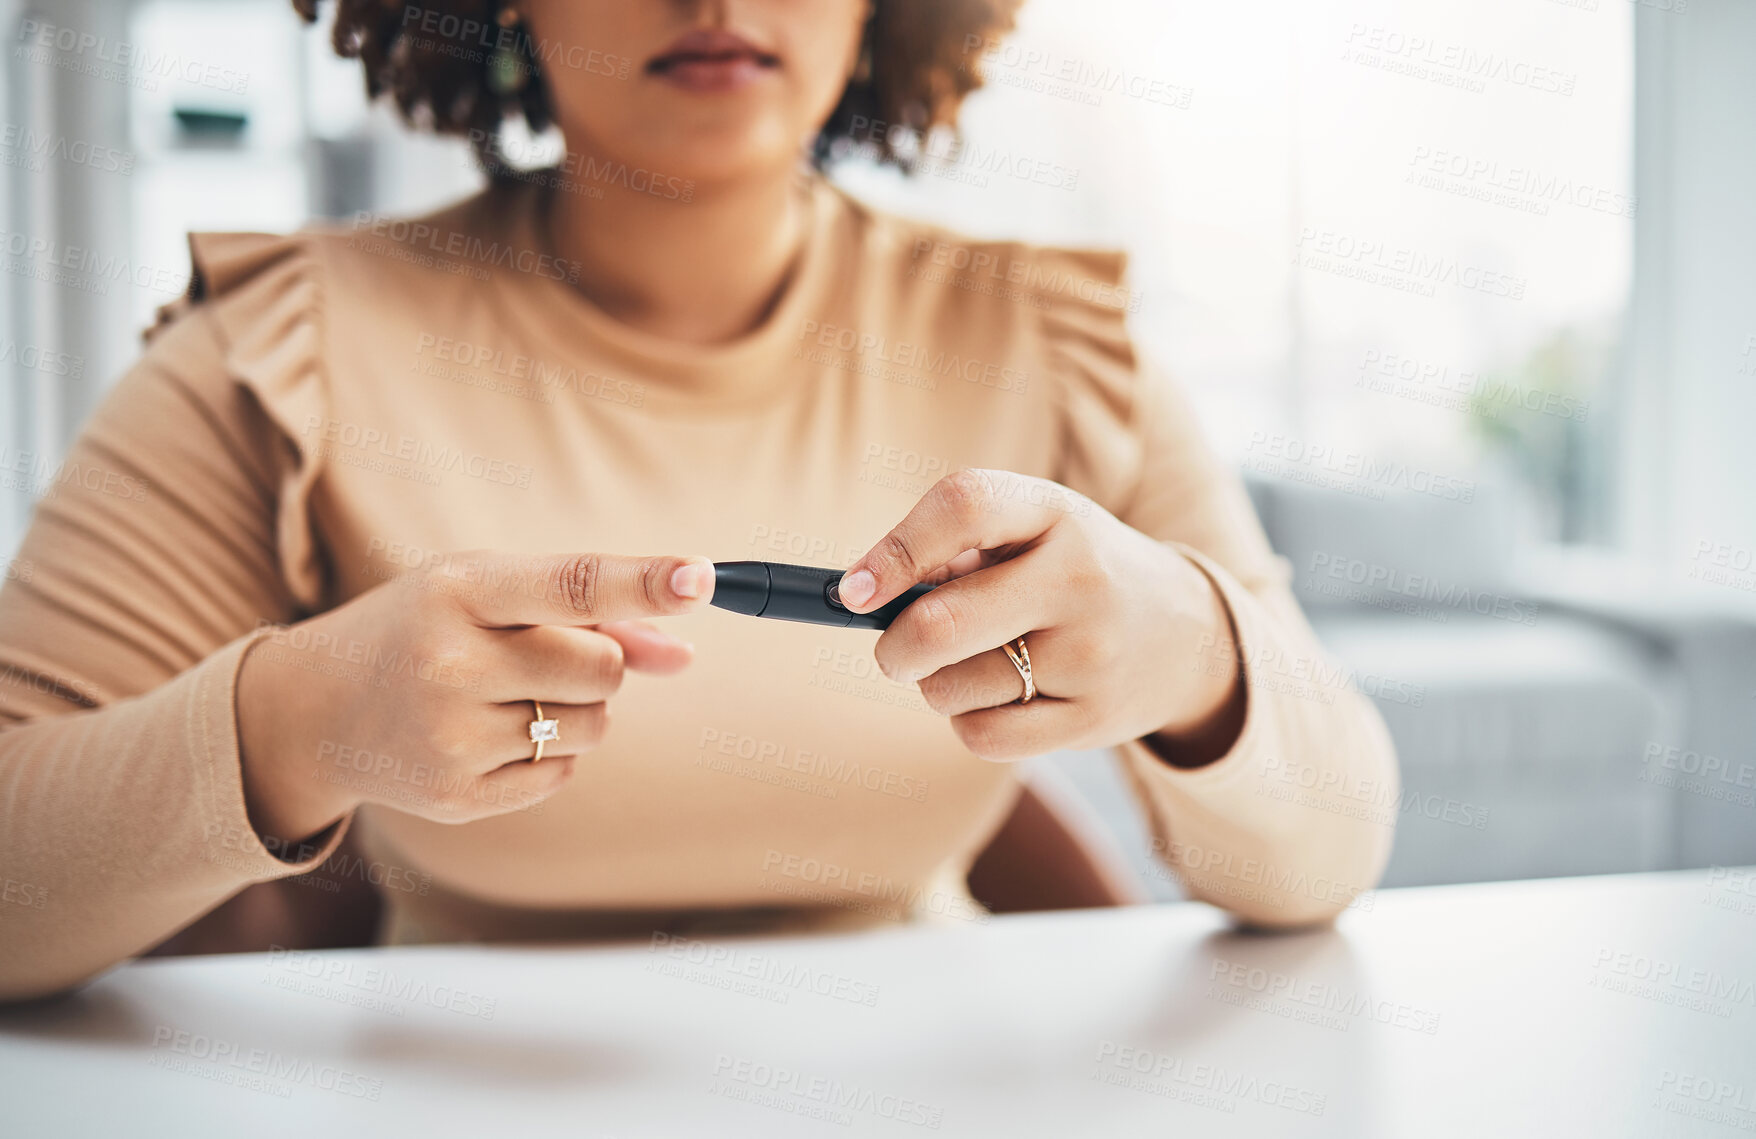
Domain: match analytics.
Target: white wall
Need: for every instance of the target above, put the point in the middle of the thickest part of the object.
(1689, 474)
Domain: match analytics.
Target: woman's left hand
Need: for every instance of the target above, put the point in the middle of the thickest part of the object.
(1128, 638)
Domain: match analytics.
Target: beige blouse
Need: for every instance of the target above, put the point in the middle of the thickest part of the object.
(330, 409)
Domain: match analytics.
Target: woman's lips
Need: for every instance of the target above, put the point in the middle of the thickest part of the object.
(712, 61)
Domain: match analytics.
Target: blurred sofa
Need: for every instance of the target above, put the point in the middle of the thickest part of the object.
(1555, 712)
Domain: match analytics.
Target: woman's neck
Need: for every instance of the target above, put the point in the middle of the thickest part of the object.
(703, 271)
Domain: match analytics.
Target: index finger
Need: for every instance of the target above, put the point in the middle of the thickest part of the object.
(970, 509)
(498, 590)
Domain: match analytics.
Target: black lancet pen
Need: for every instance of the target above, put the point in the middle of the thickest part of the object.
(798, 593)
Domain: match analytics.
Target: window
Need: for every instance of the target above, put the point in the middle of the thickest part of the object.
(1364, 235)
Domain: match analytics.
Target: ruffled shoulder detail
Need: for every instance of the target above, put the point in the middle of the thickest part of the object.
(264, 294)
(1096, 369)
(1069, 307)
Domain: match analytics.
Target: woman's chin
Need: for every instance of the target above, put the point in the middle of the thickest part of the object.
(725, 155)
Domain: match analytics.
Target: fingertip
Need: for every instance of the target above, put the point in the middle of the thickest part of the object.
(857, 588)
(693, 580)
(670, 659)
(661, 655)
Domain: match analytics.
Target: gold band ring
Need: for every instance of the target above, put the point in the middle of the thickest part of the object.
(1021, 661)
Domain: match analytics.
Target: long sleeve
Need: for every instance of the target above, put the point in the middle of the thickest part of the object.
(1296, 820)
(153, 562)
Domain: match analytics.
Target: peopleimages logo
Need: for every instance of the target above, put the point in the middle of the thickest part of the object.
(352, 973)
(1384, 262)
(795, 1089)
(1275, 453)
(1202, 1084)
(148, 66)
(1425, 57)
(1671, 982)
(832, 882)
(991, 263)
(30, 472)
(29, 143)
(47, 361)
(429, 460)
(473, 40)
(228, 1061)
(946, 154)
(1444, 596)
(770, 976)
(1538, 187)
(1459, 389)
(478, 360)
(1054, 73)
(731, 751)
(1376, 800)
(917, 358)
(78, 267)
(464, 246)
(1321, 995)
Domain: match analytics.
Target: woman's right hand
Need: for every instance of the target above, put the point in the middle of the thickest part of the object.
(417, 693)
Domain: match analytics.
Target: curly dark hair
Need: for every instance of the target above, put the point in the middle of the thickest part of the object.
(922, 65)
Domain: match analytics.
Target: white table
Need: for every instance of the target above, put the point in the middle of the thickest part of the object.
(1578, 1007)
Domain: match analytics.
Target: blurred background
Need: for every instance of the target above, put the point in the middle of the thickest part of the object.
(1465, 288)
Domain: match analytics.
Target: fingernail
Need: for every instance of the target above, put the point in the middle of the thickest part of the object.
(689, 580)
(857, 587)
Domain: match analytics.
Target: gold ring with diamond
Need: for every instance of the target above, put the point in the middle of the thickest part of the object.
(542, 731)
(1021, 661)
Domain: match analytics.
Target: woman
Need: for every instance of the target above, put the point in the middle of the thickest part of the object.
(334, 598)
